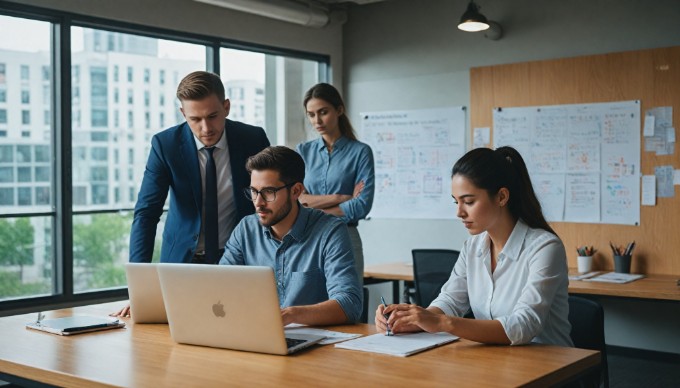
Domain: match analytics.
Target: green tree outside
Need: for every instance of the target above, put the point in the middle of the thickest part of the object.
(17, 244)
(97, 247)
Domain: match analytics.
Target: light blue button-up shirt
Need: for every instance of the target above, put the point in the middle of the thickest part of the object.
(312, 264)
(338, 172)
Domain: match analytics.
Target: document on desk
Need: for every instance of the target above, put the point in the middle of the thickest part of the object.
(401, 345)
(615, 277)
(583, 276)
(331, 337)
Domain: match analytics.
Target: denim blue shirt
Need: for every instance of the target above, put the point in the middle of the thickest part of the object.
(312, 264)
(338, 172)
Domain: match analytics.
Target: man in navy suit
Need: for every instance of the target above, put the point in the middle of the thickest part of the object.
(180, 162)
(177, 164)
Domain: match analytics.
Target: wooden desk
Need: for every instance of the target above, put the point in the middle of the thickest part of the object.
(145, 356)
(389, 272)
(659, 287)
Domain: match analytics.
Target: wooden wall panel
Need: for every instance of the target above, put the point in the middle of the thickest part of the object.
(651, 76)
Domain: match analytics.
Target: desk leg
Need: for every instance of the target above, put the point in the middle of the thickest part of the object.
(395, 291)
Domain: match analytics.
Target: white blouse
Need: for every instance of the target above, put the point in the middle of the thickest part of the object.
(527, 293)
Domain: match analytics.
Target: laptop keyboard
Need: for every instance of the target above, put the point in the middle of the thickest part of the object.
(290, 342)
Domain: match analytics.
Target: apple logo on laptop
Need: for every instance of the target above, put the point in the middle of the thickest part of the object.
(218, 309)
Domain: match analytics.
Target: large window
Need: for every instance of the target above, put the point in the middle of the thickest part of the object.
(266, 90)
(98, 188)
(121, 93)
(25, 231)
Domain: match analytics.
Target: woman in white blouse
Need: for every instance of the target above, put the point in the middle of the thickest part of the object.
(512, 272)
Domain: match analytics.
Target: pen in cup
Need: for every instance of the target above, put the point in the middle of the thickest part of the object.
(387, 316)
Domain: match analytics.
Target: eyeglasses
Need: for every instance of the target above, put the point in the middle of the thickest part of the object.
(268, 193)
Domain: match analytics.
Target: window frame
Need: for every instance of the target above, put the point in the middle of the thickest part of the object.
(61, 138)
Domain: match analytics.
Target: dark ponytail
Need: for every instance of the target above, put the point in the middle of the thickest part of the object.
(504, 167)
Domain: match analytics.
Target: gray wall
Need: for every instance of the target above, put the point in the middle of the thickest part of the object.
(401, 56)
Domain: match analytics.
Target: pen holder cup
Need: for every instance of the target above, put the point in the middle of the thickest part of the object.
(622, 263)
(585, 264)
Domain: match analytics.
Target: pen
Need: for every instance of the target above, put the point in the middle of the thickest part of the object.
(630, 248)
(387, 316)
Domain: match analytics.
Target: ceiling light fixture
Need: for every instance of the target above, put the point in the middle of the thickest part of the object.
(473, 21)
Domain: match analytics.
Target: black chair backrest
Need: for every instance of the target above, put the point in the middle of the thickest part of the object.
(364, 310)
(587, 332)
(431, 269)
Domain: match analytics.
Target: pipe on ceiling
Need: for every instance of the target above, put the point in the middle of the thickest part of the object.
(285, 10)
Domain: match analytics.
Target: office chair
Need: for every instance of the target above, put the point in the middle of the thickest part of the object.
(364, 311)
(587, 331)
(431, 269)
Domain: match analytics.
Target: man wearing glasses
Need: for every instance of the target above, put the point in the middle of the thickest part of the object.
(309, 251)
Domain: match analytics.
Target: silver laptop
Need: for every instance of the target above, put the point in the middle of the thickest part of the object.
(144, 289)
(232, 307)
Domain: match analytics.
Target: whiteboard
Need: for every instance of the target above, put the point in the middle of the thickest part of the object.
(414, 151)
(583, 159)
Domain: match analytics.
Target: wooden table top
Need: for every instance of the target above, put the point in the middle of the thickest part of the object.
(143, 355)
(390, 271)
(662, 287)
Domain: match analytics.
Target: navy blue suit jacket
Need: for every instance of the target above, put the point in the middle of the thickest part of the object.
(173, 167)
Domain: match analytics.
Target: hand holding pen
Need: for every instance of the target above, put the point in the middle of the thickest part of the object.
(388, 331)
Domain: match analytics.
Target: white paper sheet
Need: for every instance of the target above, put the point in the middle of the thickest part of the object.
(414, 151)
(615, 277)
(401, 345)
(648, 190)
(583, 159)
(331, 336)
(664, 181)
(481, 137)
(649, 126)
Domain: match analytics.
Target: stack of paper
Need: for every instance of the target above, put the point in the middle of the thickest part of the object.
(583, 276)
(615, 277)
(398, 345)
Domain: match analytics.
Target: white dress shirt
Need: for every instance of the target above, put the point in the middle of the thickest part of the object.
(225, 191)
(527, 293)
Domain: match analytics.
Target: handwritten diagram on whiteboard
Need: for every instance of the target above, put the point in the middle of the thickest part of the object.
(414, 151)
(584, 159)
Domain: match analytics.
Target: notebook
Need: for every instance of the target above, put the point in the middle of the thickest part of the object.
(146, 299)
(76, 324)
(232, 307)
(401, 345)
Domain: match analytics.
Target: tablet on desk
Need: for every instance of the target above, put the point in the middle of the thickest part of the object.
(75, 325)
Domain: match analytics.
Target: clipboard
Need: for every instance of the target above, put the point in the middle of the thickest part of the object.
(76, 324)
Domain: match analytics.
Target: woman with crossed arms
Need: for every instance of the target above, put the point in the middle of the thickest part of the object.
(512, 272)
(339, 169)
